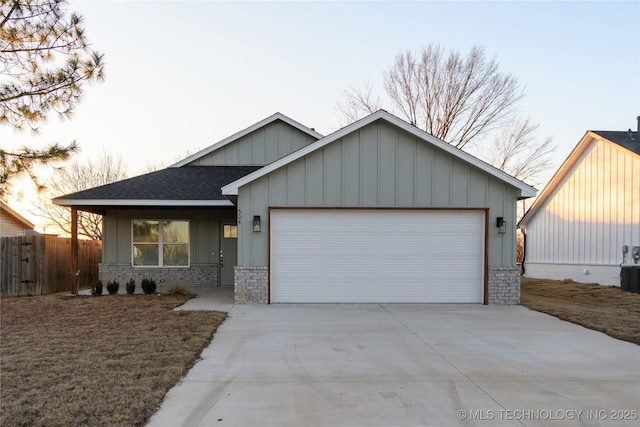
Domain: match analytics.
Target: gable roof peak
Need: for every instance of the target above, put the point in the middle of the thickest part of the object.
(526, 190)
(262, 123)
(627, 140)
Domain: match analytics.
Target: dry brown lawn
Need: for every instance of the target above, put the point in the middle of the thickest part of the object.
(109, 360)
(602, 308)
(94, 361)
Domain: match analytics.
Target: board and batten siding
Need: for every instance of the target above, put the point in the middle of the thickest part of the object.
(378, 165)
(203, 229)
(261, 147)
(592, 213)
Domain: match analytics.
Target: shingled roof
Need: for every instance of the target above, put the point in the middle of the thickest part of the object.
(185, 186)
(628, 139)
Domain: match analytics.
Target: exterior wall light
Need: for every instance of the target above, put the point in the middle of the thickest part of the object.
(256, 223)
(502, 225)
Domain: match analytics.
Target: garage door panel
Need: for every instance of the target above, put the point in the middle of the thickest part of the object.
(328, 255)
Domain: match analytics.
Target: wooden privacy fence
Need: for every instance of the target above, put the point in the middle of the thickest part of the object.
(39, 265)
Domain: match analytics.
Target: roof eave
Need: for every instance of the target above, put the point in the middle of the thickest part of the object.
(139, 202)
(17, 216)
(527, 194)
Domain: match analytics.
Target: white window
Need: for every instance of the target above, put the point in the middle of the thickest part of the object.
(160, 243)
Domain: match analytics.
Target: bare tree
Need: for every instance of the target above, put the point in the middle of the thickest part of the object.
(77, 177)
(357, 104)
(459, 99)
(516, 151)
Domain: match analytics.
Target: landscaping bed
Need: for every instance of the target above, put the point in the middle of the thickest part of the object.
(95, 360)
(602, 308)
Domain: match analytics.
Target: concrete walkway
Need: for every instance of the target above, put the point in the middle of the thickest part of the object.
(404, 365)
(218, 299)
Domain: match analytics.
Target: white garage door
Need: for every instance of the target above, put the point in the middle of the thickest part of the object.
(342, 255)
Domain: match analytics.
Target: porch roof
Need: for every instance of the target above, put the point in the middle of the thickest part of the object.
(171, 187)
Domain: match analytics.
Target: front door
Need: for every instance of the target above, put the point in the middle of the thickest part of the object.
(228, 256)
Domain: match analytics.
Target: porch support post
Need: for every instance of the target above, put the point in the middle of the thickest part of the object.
(74, 251)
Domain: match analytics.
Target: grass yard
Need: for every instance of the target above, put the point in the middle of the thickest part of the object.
(95, 361)
(603, 308)
(109, 360)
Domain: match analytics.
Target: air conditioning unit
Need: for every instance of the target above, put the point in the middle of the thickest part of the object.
(630, 278)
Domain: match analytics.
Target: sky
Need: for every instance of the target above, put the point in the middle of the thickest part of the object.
(182, 75)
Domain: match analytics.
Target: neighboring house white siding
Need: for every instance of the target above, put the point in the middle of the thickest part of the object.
(10, 227)
(578, 231)
(12, 223)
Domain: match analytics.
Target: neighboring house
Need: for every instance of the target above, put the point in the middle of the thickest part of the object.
(12, 223)
(378, 211)
(589, 210)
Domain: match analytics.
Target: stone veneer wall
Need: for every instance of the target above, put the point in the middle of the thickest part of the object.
(194, 275)
(504, 285)
(251, 284)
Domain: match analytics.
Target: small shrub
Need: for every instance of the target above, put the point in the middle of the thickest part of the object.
(112, 287)
(97, 289)
(148, 286)
(179, 290)
(131, 286)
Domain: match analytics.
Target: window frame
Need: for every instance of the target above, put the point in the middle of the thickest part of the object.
(160, 243)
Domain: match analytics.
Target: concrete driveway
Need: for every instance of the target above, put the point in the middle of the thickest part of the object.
(405, 365)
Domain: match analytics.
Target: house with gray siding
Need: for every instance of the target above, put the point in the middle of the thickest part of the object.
(378, 211)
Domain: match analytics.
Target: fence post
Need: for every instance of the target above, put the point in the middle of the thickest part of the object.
(74, 250)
